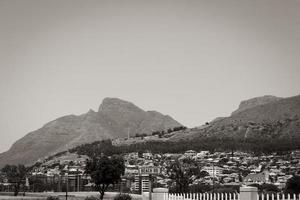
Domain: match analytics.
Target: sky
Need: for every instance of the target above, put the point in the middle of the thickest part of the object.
(194, 60)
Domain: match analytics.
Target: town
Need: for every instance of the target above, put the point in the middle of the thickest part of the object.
(204, 171)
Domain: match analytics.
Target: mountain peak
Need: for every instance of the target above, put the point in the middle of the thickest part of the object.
(112, 102)
(115, 105)
(257, 101)
(116, 118)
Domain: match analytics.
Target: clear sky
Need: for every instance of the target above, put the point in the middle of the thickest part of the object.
(194, 60)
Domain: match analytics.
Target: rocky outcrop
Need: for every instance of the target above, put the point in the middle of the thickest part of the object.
(251, 103)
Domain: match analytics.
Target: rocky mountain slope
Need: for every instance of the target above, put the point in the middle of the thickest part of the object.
(263, 127)
(114, 119)
(251, 103)
(280, 118)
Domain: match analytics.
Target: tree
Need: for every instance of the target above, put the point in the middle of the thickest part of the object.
(293, 185)
(16, 175)
(37, 184)
(269, 188)
(105, 171)
(203, 174)
(180, 175)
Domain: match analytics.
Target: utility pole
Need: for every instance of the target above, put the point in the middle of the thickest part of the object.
(67, 182)
(213, 177)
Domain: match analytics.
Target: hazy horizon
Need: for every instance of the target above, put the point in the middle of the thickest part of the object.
(192, 60)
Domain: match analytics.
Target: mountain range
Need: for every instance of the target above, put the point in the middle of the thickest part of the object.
(267, 118)
(115, 118)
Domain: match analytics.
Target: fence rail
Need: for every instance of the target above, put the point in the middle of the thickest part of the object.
(227, 196)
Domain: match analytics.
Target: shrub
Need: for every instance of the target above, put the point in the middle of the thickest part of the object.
(91, 198)
(52, 198)
(123, 197)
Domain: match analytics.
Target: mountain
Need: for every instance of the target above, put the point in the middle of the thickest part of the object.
(251, 103)
(259, 118)
(261, 128)
(115, 118)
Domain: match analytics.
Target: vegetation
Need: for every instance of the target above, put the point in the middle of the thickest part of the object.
(181, 176)
(163, 132)
(105, 171)
(16, 175)
(91, 198)
(255, 145)
(123, 197)
(170, 130)
(38, 184)
(293, 185)
(141, 135)
(266, 188)
(52, 198)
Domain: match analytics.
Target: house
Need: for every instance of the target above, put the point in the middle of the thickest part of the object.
(190, 153)
(148, 155)
(259, 178)
(213, 170)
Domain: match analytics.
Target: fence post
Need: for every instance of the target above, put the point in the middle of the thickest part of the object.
(248, 193)
(160, 193)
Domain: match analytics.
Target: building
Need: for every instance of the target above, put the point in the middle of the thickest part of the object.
(141, 184)
(148, 155)
(213, 170)
(259, 178)
(149, 170)
(190, 153)
(131, 169)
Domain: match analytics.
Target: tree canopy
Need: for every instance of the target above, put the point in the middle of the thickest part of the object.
(16, 175)
(105, 171)
(180, 175)
(293, 185)
(255, 145)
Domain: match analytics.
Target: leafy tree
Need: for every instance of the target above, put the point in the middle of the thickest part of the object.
(16, 175)
(37, 184)
(293, 185)
(203, 174)
(105, 171)
(181, 176)
(269, 188)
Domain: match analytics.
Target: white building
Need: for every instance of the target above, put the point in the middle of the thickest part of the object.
(190, 153)
(213, 170)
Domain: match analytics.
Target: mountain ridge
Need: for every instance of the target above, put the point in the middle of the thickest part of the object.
(257, 101)
(274, 120)
(277, 119)
(115, 118)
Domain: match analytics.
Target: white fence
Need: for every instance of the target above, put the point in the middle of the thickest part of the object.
(227, 196)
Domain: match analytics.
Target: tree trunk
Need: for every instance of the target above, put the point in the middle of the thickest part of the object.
(17, 187)
(101, 195)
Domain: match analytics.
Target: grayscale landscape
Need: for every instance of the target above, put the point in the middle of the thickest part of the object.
(149, 100)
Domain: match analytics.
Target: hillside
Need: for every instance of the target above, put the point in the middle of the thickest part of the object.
(277, 119)
(267, 127)
(268, 123)
(114, 119)
(261, 128)
(251, 103)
